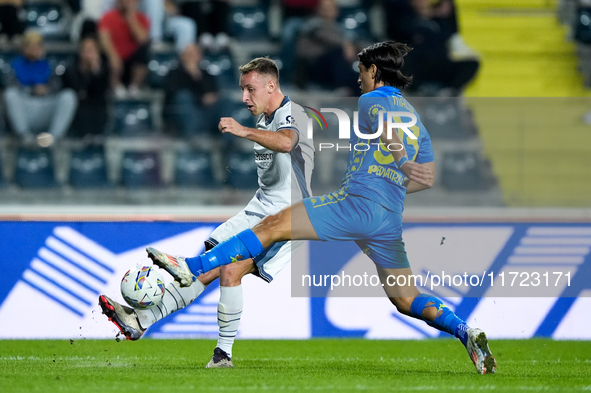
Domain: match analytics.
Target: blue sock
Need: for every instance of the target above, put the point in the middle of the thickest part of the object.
(242, 246)
(445, 321)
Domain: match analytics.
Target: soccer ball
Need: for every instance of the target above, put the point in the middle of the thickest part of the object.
(142, 287)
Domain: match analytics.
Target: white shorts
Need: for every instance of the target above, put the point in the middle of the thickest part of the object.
(272, 260)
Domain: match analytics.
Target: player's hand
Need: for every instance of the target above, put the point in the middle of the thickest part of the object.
(229, 125)
(418, 172)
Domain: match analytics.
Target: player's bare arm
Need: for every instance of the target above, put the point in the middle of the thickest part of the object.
(413, 186)
(281, 141)
(419, 173)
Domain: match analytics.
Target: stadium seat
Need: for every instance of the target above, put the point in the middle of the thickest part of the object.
(140, 169)
(159, 67)
(59, 60)
(5, 59)
(194, 169)
(249, 23)
(443, 117)
(463, 171)
(132, 118)
(88, 168)
(242, 170)
(221, 67)
(582, 27)
(34, 168)
(239, 112)
(355, 20)
(48, 18)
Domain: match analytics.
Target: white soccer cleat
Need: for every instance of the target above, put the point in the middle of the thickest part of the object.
(176, 266)
(479, 352)
(123, 317)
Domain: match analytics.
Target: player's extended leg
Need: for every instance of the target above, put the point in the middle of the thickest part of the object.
(409, 301)
(132, 323)
(229, 310)
(292, 223)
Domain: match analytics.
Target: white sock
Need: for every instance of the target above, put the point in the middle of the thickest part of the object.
(175, 298)
(229, 313)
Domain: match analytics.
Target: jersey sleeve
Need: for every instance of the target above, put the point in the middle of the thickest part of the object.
(369, 109)
(289, 118)
(425, 153)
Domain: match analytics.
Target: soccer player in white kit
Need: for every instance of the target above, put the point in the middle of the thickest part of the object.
(284, 155)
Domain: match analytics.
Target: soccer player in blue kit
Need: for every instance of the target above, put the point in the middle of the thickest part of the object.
(368, 207)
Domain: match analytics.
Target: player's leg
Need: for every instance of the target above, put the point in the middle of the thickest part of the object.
(400, 286)
(132, 323)
(229, 310)
(290, 223)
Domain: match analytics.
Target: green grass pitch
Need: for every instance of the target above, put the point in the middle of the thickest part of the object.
(311, 365)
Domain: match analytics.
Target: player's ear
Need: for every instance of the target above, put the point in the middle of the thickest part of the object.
(373, 69)
(271, 86)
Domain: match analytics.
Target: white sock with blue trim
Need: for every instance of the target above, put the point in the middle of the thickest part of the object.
(175, 298)
(229, 313)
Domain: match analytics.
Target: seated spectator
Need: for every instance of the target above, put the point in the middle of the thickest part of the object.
(89, 78)
(191, 96)
(124, 36)
(325, 53)
(32, 106)
(10, 23)
(166, 19)
(298, 8)
(439, 64)
(211, 17)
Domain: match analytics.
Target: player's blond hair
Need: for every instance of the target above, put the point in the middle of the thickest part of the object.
(263, 66)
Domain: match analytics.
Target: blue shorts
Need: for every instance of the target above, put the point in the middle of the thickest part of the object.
(375, 229)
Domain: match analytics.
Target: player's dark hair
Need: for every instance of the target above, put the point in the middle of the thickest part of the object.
(262, 65)
(388, 57)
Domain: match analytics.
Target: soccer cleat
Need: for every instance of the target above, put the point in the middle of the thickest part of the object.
(176, 266)
(123, 317)
(220, 359)
(479, 352)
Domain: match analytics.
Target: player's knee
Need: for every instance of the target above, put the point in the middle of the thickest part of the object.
(231, 275)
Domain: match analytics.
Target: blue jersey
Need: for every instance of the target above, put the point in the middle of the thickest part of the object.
(371, 171)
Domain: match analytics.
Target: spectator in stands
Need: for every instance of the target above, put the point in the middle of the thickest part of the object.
(32, 106)
(211, 17)
(10, 23)
(299, 8)
(124, 36)
(441, 64)
(325, 52)
(191, 96)
(166, 19)
(89, 78)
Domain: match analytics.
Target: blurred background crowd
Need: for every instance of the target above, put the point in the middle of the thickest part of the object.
(126, 94)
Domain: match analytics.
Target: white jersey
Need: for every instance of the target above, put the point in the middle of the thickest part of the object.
(284, 178)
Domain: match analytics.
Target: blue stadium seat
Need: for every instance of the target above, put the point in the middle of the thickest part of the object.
(249, 23)
(132, 118)
(194, 169)
(59, 61)
(239, 112)
(582, 27)
(221, 66)
(463, 171)
(88, 168)
(5, 59)
(242, 170)
(48, 18)
(443, 117)
(355, 20)
(140, 169)
(160, 66)
(34, 168)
